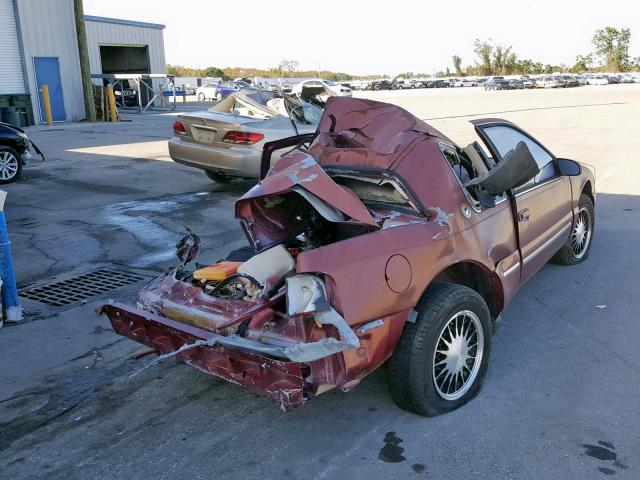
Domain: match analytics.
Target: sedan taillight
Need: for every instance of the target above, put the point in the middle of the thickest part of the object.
(243, 138)
(178, 128)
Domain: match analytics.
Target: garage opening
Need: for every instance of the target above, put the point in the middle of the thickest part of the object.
(118, 59)
(126, 59)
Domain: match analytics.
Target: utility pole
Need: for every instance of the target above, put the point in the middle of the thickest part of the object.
(83, 54)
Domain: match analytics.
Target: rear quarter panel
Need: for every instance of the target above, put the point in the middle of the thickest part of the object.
(357, 267)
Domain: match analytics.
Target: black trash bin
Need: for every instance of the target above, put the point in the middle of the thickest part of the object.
(23, 102)
(11, 116)
(23, 117)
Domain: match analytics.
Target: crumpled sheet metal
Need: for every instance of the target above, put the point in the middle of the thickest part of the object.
(267, 227)
(173, 298)
(366, 133)
(308, 352)
(307, 174)
(282, 380)
(296, 352)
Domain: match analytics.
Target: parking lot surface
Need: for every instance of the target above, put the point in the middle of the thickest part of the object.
(560, 399)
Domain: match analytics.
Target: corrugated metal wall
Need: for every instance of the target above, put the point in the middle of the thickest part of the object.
(11, 79)
(103, 33)
(49, 30)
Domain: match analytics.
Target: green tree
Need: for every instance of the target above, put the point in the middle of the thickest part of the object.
(583, 63)
(457, 64)
(287, 67)
(483, 51)
(612, 46)
(213, 72)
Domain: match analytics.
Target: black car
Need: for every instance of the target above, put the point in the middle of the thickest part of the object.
(15, 151)
(438, 84)
(497, 83)
(125, 95)
(381, 85)
(515, 84)
(570, 81)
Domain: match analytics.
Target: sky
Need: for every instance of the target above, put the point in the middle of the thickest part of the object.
(369, 37)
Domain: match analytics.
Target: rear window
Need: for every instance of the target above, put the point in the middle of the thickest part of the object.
(377, 191)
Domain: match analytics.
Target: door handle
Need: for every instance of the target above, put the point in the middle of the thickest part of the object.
(523, 215)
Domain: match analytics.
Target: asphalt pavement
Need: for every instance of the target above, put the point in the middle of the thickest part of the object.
(560, 399)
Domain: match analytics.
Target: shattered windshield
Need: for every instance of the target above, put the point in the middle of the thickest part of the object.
(303, 112)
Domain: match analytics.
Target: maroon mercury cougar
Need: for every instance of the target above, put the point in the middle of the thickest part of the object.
(374, 238)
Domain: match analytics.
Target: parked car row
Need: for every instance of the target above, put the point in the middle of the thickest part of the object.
(497, 82)
(220, 90)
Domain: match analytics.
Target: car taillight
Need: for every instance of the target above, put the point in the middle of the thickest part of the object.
(178, 128)
(245, 138)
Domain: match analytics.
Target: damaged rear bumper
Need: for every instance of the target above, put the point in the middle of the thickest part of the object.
(236, 359)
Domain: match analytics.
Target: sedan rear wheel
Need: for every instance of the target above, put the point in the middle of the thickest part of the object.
(217, 176)
(219, 97)
(441, 359)
(10, 165)
(201, 97)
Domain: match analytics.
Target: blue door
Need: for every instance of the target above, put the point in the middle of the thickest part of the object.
(48, 72)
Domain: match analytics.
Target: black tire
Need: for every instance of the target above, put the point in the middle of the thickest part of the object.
(217, 177)
(218, 97)
(569, 254)
(201, 97)
(10, 165)
(411, 371)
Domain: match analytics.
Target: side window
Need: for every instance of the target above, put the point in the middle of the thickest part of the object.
(506, 138)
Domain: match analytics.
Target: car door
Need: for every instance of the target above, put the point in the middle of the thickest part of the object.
(542, 206)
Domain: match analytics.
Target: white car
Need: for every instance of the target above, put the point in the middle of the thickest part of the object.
(598, 80)
(226, 140)
(206, 91)
(331, 88)
(549, 82)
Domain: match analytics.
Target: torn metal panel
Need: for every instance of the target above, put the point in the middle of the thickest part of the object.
(187, 303)
(268, 226)
(284, 381)
(367, 133)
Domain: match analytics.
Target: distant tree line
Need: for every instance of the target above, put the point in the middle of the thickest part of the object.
(611, 54)
(286, 68)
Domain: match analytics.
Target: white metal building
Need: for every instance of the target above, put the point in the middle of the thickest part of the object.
(124, 46)
(38, 45)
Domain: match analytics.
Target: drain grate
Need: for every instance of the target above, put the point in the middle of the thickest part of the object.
(81, 287)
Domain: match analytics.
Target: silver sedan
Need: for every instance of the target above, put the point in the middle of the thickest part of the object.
(226, 141)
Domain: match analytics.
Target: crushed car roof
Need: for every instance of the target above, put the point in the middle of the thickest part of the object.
(366, 133)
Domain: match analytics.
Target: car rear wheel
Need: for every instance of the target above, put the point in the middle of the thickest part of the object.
(442, 358)
(577, 248)
(10, 165)
(217, 176)
(201, 97)
(219, 97)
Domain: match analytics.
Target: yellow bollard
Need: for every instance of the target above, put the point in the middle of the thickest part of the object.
(113, 113)
(46, 103)
(184, 96)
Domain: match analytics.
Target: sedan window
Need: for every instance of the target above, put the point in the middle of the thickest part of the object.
(506, 138)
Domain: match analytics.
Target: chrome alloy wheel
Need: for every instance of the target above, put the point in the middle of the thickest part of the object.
(581, 235)
(458, 355)
(8, 165)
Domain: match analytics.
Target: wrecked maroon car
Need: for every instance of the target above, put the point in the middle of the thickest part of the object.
(377, 237)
